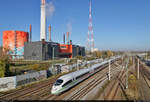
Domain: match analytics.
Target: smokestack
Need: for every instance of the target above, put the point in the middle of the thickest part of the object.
(68, 38)
(30, 32)
(50, 33)
(70, 42)
(64, 38)
(43, 20)
(43, 2)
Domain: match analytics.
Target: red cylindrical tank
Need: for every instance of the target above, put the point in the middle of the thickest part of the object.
(14, 41)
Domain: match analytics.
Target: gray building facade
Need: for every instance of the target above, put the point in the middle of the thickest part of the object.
(41, 50)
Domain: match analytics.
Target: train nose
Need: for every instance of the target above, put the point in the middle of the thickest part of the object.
(54, 89)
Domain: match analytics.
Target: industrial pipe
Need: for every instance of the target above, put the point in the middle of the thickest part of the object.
(50, 33)
(30, 33)
(68, 38)
(64, 38)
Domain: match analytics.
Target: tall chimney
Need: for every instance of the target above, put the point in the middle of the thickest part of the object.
(30, 32)
(68, 38)
(70, 42)
(43, 20)
(64, 38)
(50, 33)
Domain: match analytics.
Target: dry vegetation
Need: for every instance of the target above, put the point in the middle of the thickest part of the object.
(132, 91)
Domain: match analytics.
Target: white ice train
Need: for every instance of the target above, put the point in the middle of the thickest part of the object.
(67, 81)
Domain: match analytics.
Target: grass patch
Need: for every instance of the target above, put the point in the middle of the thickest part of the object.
(132, 91)
(18, 69)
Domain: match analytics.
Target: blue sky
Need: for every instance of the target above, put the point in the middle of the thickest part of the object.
(117, 24)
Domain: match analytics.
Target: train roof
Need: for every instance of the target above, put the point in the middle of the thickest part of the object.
(76, 73)
(79, 72)
(82, 71)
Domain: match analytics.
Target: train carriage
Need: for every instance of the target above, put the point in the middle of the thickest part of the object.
(67, 81)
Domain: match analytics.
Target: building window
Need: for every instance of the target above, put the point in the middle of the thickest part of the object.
(63, 47)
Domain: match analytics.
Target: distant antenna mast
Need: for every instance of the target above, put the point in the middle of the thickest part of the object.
(90, 43)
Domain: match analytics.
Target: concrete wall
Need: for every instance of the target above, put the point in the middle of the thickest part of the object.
(7, 83)
(30, 77)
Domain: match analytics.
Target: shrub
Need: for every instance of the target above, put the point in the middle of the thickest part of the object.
(4, 67)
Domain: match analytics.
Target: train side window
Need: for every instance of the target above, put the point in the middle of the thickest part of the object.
(81, 75)
(68, 82)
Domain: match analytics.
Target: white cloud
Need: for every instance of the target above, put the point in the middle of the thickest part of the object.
(50, 9)
(69, 27)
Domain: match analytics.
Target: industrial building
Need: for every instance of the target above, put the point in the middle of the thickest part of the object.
(71, 51)
(42, 50)
(20, 43)
(21, 46)
(14, 42)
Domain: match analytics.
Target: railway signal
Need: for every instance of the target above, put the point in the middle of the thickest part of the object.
(107, 75)
(109, 69)
(138, 69)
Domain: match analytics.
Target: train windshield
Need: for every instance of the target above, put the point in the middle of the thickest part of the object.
(58, 82)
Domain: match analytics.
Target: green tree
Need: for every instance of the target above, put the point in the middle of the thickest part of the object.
(4, 63)
(1, 50)
(2, 69)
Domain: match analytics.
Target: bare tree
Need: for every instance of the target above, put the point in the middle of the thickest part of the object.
(109, 53)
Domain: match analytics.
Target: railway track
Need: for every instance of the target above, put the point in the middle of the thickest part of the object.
(36, 92)
(87, 87)
(115, 86)
(39, 90)
(146, 74)
(118, 85)
(53, 97)
(21, 93)
(144, 82)
(79, 87)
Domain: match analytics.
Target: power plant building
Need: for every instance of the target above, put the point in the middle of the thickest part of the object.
(71, 51)
(21, 45)
(14, 42)
(43, 50)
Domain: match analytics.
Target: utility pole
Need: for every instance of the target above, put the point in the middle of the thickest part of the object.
(146, 56)
(53, 60)
(138, 69)
(122, 61)
(77, 65)
(109, 69)
(53, 52)
(127, 73)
